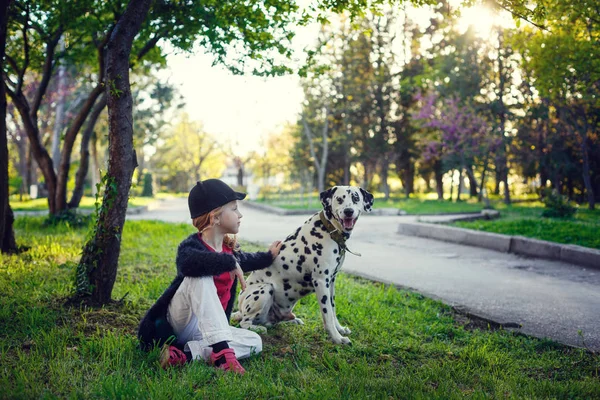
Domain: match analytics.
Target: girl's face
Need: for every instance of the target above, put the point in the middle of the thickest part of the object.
(229, 219)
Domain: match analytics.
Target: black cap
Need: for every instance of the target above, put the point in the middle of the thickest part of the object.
(207, 195)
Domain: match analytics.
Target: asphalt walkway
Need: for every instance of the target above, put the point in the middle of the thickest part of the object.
(533, 296)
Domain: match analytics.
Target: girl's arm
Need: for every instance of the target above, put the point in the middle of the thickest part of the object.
(253, 261)
(195, 261)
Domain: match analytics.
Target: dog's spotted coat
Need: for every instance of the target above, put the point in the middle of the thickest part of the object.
(308, 262)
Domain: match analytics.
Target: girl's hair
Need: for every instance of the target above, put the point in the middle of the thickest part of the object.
(206, 221)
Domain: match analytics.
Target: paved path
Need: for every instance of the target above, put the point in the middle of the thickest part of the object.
(547, 298)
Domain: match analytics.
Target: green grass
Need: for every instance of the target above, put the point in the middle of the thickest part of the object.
(526, 220)
(418, 204)
(404, 345)
(87, 203)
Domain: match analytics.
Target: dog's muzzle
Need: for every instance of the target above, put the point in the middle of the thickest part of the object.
(348, 219)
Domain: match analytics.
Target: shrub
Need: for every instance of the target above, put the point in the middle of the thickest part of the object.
(68, 217)
(147, 190)
(557, 205)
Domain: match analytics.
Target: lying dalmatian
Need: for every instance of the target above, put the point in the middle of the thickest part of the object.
(308, 262)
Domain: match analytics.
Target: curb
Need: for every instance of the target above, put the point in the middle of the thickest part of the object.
(277, 210)
(520, 245)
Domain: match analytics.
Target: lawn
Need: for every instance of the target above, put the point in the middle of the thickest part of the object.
(404, 345)
(526, 220)
(87, 203)
(421, 204)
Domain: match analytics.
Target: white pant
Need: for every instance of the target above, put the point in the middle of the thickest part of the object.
(198, 319)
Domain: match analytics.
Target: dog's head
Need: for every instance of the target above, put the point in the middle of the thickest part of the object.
(344, 204)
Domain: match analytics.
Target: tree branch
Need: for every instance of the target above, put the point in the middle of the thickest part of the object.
(150, 44)
(520, 16)
(21, 73)
(48, 67)
(7, 80)
(12, 63)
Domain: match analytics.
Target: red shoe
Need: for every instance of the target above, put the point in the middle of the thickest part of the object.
(231, 362)
(171, 356)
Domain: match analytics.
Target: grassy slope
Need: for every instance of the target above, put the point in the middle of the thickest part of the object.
(404, 345)
(527, 220)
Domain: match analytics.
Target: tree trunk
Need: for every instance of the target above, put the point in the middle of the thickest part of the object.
(497, 181)
(459, 187)
(321, 165)
(506, 188)
(85, 153)
(101, 254)
(7, 236)
(38, 150)
(439, 182)
(29, 173)
(69, 142)
(60, 109)
(96, 169)
(409, 179)
(346, 181)
(29, 118)
(503, 160)
(472, 181)
(384, 178)
(482, 189)
(589, 189)
(366, 176)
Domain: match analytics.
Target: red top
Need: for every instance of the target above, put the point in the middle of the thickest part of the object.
(224, 281)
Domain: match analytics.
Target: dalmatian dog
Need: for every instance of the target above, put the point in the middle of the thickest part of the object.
(308, 262)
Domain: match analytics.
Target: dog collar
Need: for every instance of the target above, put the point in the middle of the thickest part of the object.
(337, 236)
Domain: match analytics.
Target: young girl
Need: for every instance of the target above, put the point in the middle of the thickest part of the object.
(193, 313)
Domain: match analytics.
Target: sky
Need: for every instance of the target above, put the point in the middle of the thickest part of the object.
(243, 109)
(240, 109)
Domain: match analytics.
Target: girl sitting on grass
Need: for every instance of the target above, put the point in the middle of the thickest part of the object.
(191, 318)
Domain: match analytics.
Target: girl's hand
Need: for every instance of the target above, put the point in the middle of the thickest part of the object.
(237, 272)
(275, 247)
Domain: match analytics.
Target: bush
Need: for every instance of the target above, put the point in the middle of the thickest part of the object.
(147, 190)
(68, 217)
(557, 205)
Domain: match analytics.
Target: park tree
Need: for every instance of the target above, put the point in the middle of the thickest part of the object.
(187, 154)
(275, 155)
(463, 134)
(259, 35)
(7, 236)
(566, 71)
(36, 28)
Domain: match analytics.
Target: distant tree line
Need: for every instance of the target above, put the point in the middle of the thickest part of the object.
(383, 96)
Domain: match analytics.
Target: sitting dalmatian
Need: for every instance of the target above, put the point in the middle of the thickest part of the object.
(308, 262)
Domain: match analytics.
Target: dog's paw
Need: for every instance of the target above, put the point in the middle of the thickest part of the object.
(236, 316)
(296, 321)
(341, 340)
(344, 330)
(257, 328)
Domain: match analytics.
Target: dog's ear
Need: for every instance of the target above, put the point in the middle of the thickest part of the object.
(326, 197)
(367, 200)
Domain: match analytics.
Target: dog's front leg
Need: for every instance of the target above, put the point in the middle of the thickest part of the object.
(344, 330)
(327, 311)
